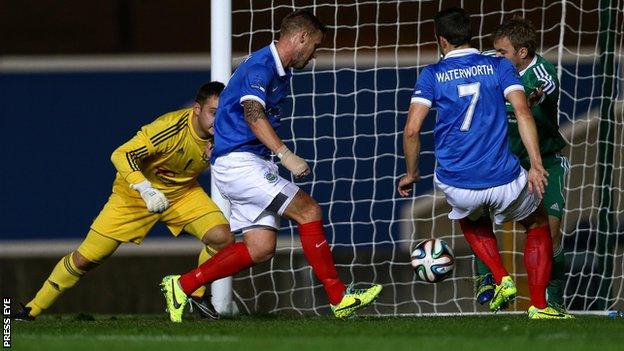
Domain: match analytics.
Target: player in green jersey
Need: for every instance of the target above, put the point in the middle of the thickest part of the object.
(515, 39)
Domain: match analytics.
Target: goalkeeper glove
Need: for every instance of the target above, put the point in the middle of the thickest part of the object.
(155, 200)
(295, 164)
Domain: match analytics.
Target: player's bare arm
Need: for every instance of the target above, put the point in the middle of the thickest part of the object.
(257, 120)
(528, 133)
(260, 126)
(411, 146)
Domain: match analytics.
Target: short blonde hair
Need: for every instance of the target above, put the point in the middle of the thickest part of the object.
(520, 33)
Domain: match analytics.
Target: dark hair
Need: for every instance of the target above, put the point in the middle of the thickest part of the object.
(520, 33)
(301, 19)
(207, 90)
(454, 25)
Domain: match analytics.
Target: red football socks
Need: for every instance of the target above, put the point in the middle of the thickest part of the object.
(317, 252)
(228, 261)
(480, 236)
(538, 263)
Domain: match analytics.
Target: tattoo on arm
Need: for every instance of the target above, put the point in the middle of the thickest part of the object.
(253, 111)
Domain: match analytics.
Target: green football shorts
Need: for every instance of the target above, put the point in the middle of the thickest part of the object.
(557, 167)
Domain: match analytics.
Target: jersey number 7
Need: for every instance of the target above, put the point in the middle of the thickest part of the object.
(467, 90)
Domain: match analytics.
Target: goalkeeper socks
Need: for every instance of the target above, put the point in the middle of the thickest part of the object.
(481, 238)
(230, 260)
(204, 255)
(64, 276)
(316, 251)
(481, 268)
(538, 260)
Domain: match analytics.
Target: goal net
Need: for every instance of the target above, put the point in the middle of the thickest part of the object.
(345, 115)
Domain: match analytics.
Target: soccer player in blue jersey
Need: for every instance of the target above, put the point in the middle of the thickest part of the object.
(476, 171)
(248, 115)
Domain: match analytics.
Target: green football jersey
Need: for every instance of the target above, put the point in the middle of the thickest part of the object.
(539, 73)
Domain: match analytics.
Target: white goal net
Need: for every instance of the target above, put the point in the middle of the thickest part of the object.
(345, 116)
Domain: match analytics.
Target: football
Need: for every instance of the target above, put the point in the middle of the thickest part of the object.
(433, 260)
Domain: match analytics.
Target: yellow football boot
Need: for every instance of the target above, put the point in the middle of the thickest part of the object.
(175, 297)
(548, 313)
(503, 294)
(355, 299)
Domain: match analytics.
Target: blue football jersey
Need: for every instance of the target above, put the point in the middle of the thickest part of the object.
(468, 90)
(261, 77)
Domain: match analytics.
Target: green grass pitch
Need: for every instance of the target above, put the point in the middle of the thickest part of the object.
(153, 333)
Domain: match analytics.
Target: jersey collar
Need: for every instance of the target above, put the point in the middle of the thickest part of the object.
(278, 62)
(533, 61)
(461, 52)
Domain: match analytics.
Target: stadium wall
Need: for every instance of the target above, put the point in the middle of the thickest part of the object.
(63, 123)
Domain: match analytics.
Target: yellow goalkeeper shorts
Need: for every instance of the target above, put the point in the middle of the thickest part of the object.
(125, 217)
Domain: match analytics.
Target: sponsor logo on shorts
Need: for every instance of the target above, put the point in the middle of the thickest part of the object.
(270, 177)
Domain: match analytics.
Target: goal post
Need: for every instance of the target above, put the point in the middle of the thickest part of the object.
(220, 70)
(606, 240)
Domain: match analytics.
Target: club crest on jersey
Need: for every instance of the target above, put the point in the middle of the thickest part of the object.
(270, 177)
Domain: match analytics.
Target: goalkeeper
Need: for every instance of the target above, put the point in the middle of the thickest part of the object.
(515, 39)
(156, 180)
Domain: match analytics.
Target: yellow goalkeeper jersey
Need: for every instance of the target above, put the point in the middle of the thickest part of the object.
(167, 152)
